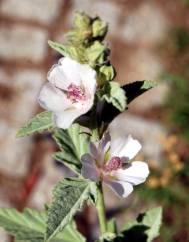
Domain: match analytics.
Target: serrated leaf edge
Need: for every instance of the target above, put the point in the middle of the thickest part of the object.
(74, 209)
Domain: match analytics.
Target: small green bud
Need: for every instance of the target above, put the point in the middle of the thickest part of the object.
(82, 31)
(108, 72)
(99, 28)
(82, 21)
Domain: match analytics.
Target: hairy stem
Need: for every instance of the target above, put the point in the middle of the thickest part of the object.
(101, 210)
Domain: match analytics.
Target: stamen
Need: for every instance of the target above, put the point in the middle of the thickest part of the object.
(75, 93)
(114, 164)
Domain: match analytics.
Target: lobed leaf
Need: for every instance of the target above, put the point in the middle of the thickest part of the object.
(115, 95)
(73, 143)
(74, 52)
(132, 91)
(42, 121)
(135, 89)
(29, 226)
(145, 228)
(96, 53)
(112, 227)
(69, 196)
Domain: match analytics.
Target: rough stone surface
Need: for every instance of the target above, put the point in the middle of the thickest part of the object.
(43, 191)
(107, 10)
(149, 133)
(14, 153)
(134, 64)
(18, 95)
(3, 235)
(135, 29)
(153, 98)
(44, 11)
(22, 42)
(143, 65)
(145, 25)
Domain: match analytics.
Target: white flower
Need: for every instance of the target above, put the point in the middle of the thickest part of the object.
(109, 161)
(69, 92)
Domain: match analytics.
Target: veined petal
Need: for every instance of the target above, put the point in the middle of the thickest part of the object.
(88, 79)
(94, 151)
(122, 189)
(89, 169)
(136, 173)
(71, 70)
(57, 77)
(125, 147)
(65, 118)
(87, 159)
(105, 142)
(53, 99)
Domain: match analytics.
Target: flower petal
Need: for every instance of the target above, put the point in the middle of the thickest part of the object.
(89, 170)
(105, 142)
(136, 173)
(88, 79)
(52, 99)
(52, 96)
(87, 159)
(94, 151)
(57, 77)
(65, 118)
(122, 189)
(125, 147)
(71, 70)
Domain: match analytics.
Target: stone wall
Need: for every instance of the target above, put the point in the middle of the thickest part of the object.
(27, 172)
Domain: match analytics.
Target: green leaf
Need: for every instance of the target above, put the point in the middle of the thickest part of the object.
(62, 49)
(96, 53)
(69, 234)
(115, 94)
(29, 226)
(153, 219)
(69, 196)
(112, 228)
(65, 158)
(137, 88)
(145, 228)
(73, 143)
(132, 91)
(74, 52)
(42, 121)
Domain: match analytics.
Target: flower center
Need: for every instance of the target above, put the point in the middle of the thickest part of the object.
(114, 164)
(76, 93)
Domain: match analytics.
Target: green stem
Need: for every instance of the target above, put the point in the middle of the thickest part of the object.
(95, 134)
(101, 210)
(100, 199)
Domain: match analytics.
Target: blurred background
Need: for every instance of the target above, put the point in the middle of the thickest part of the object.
(149, 40)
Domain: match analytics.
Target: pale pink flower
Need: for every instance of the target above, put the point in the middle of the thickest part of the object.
(69, 92)
(109, 161)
